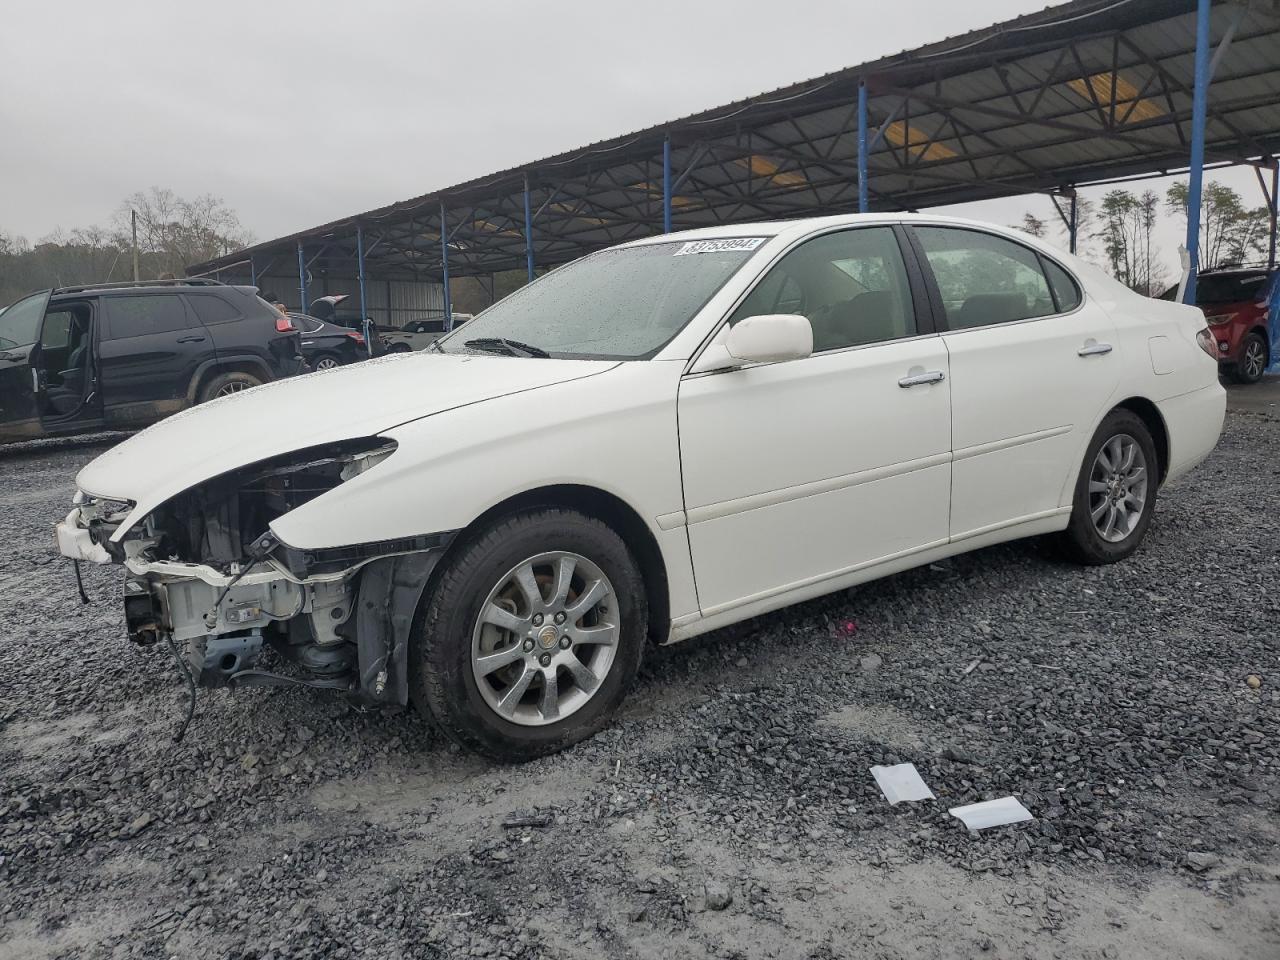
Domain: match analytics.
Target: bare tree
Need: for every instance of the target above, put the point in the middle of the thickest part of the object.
(174, 232)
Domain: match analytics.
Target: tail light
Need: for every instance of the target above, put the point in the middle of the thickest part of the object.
(1206, 340)
(356, 336)
(285, 325)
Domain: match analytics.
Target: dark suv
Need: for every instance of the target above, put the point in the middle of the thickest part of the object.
(122, 355)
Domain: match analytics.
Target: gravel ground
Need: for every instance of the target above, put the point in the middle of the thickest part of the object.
(728, 813)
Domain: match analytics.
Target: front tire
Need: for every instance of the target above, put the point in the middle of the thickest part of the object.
(1115, 494)
(531, 636)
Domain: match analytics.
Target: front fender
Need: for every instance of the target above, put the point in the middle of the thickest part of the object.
(616, 432)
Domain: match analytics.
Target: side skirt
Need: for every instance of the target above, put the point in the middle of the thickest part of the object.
(692, 626)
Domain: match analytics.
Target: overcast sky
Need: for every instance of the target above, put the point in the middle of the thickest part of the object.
(297, 113)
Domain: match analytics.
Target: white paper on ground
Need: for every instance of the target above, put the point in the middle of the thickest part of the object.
(901, 782)
(992, 813)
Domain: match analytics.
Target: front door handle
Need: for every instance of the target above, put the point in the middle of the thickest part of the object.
(933, 376)
(1094, 349)
(191, 339)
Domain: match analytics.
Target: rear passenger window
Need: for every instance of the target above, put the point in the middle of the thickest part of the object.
(212, 309)
(851, 285)
(1064, 288)
(135, 316)
(985, 279)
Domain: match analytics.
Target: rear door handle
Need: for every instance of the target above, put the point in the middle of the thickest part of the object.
(1092, 349)
(191, 339)
(933, 376)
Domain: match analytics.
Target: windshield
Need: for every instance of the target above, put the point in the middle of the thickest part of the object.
(20, 322)
(620, 304)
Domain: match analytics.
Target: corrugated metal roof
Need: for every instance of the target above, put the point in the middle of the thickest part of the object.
(1078, 92)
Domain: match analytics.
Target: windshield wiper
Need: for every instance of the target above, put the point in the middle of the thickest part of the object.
(510, 347)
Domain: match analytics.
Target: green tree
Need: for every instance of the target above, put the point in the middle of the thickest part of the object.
(1031, 224)
(1125, 224)
(1230, 232)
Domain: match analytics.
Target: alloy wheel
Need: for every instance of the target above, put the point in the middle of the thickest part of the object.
(545, 638)
(1255, 358)
(1118, 488)
(326, 363)
(235, 386)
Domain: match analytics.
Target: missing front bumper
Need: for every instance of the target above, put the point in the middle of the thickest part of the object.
(342, 617)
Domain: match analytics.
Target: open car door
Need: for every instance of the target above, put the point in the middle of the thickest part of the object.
(19, 331)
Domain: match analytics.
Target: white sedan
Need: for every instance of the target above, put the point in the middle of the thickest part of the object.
(419, 334)
(654, 441)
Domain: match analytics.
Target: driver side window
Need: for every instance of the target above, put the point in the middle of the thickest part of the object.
(852, 286)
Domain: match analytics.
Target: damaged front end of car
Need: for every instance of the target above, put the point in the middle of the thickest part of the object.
(206, 575)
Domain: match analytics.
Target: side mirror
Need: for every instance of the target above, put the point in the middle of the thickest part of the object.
(770, 338)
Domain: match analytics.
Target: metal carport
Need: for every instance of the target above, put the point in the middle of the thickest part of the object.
(1086, 92)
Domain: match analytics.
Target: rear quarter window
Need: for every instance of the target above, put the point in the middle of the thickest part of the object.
(211, 308)
(1065, 289)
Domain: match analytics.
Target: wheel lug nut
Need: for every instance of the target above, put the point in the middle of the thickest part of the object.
(528, 646)
(560, 617)
(537, 619)
(564, 643)
(545, 659)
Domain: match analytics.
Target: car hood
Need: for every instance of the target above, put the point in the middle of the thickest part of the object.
(344, 403)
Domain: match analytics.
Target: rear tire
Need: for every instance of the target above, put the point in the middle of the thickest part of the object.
(1253, 359)
(1115, 493)
(326, 361)
(535, 638)
(225, 384)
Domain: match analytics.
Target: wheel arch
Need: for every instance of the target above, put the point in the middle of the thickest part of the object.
(1149, 414)
(214, 368)
(610, 510)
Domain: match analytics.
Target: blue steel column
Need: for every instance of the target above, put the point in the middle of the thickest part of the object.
(1273, 329)
(302, 278)
(528, 229)
(862, 147)
(666, 185)
(444, 268)
(364, 301)
(1199, 109)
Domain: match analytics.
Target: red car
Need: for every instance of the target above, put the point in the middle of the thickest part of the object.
(1236, 303)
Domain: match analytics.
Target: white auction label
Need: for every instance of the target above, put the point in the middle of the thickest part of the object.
(727, 245)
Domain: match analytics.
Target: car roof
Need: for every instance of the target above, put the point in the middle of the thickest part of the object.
(1237, 272)
(801, 226)
(142, 287)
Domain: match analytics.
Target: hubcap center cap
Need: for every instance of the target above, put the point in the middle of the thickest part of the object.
(548, 637)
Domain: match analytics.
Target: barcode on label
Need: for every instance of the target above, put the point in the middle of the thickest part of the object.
(727, 245)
